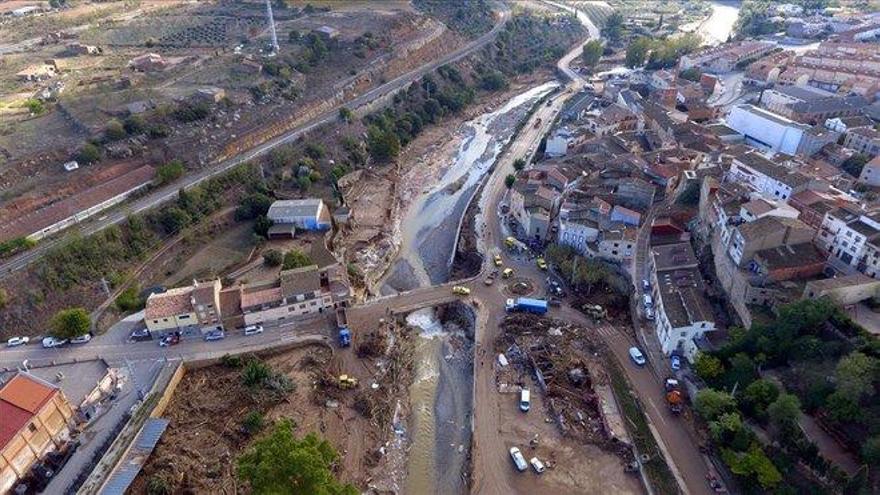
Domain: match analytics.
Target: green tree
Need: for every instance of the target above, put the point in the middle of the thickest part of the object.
(592, 53)
(89, 153)
(383, 145)
(855, 375)
(691, 74)
(273, 257)
(345, 114)
(637, 53)
(35, 106)
(174, 219)
(871, 450)
(114, 131)
(510, 180)
(843, 407)
(252, 206)
(519, 164)
(725, 427)
(711, 403)
(784, 411)
(855, 163)
(135, 124)
(295, 259)
(758, 396)
(129, 300)
(170, 172)
(493, 80)
(70, 323)
(708, 367)
(262, 226)
(279, 463)
(613, 27)
(753, 465)
(315, 151)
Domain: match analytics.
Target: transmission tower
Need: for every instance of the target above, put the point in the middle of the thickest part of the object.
(272, 26)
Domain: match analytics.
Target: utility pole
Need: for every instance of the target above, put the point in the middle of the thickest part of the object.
(271, 20)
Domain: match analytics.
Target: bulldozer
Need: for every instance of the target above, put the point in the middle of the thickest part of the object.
(345, 382)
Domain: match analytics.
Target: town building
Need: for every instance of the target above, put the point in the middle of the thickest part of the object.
(863, 140)
(305, 214)
(295, 293)
(617, 243)
(557, 143)
(682, 313)
(148, 62)
(726, 57)
(843, 290)
(196, 306)
(36, 419)
(778, 134)
(768, 177)
(766, 233)
(779, 99)
(871, 172)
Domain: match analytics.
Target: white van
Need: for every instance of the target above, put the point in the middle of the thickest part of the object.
(518, 459)
(524, 400)
(253, 329)
(648, 301)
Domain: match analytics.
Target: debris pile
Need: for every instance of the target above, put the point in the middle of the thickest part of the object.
(563, 359)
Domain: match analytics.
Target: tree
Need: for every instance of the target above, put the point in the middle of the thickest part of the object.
(637, 53)
(854, 164)
(315, 151)
(345, 114)
(114, 130)
(493, 80)
(89, 153)
(70, 323)
(174, 219)
(510, 180)
(871, 450)
(711, 403)
(280, 463)
(35, 106)
(592, 53)
(708, 367)
(843, 407)
(784, 411)
(691, 74)
(295, 259)
(383, 145)
(519, 164)
(753, 465)
(273, 257)
(262, 226)
(135, 124)
(613, 27)
(170, 172)
(855, 375)
(253, 206)
(129, 300)
(758, 396)
(725, 427)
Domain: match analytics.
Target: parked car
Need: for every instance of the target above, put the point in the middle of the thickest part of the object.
(214, 335)
(17, 341)
(675, 362)
(541, 263)
(646, 285)
(140, 334)
(169, 340)
(82, 339)
(636, 355)
(507, 273)
(518, 460)
(649, 303)
(253, 329)
(537, 465)
(525, 400)
(50, 342)
(497, 260)
(555, 302)
(649, 314)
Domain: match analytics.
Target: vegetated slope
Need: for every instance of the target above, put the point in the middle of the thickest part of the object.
(469, 17)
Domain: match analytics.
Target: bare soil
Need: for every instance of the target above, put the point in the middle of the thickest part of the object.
(198, 452)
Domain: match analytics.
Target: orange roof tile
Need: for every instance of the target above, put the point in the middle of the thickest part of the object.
(26, 392)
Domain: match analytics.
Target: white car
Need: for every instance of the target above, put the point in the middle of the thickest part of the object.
(82, 339)
(537, 465)
(253, 329)
(50, 342)
(17, 341)
(518, 459)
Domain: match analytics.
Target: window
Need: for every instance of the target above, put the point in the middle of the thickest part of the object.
(32, 427)
(183, 317)
(302, 306)
(165, 319)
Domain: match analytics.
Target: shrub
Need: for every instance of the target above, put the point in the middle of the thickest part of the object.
(135, 124)
(129, 300)
(253, 422)
(170, 172)
(114, 131)
(35, 106)
(89, 153)
(69, 323)
(510, 180)
(273, 257)
(295, 259)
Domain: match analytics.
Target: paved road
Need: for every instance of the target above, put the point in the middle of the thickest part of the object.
(170, 192)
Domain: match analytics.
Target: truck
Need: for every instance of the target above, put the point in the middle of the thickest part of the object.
(674, 398)
(342, 326)
(527, 305)
(537, 123)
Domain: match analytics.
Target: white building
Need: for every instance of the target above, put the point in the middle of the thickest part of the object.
(682, 314)
(557, 144)
(765, 176)
(776, 133)
(577, 232)
(871, 173)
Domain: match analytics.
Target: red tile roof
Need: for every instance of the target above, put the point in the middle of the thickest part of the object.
(21, 398)
(14, 419)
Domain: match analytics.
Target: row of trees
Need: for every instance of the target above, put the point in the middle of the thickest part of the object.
(660, 53)
(828, 366)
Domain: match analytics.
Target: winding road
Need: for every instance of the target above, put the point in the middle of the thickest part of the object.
(169, 192)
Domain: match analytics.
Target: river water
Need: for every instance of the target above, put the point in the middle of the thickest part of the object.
(717, 28)
(441, 396)
(429, 226)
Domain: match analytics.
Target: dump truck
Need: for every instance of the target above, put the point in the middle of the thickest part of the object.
(346, 382)
(674, 398)
(342, 326)
(595, 311)
(527, 305)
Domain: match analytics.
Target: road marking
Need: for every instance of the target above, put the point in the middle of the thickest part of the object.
(659, 414)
